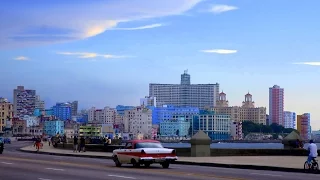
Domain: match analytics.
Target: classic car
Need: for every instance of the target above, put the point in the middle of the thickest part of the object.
(146, 152)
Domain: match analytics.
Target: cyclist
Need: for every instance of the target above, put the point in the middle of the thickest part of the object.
(313, 151)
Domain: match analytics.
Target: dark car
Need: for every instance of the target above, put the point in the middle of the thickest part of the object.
(1, 145)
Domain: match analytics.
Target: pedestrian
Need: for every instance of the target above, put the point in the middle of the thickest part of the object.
(75, 144)
(82, 144)
(49, 141)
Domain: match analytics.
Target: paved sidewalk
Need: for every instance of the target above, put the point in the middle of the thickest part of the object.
(277, 163)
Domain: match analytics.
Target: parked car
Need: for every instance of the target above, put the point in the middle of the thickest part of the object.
(1, 145)
(146, 152)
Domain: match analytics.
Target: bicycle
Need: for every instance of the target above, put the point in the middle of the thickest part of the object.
(314, 166)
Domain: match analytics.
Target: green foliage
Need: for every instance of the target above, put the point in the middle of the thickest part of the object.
(250, 127)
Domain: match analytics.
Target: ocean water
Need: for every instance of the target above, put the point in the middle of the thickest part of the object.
(234, 145)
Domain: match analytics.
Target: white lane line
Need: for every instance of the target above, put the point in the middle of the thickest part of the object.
(125, 177)
(274, 175)
(43, 179)
(54, 169)
(6, 163)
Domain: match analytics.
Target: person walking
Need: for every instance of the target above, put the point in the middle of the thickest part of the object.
(82, 144)
(75, 144)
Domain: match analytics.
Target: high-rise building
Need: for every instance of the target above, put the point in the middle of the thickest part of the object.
(102, 116)
(247, 112)
(216, 126)
(289, 119)
(6, 114)
(303, 126)
(74, 108)
(236, 131)
(121, 109)
(24, 101)
(185, 93)
(62, 111)
(39, 104)
(276, 105)
(148, 101)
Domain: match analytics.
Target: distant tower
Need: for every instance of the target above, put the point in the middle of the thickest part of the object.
(185, 78)
(276, 105)
(248, 103)
(222, 102)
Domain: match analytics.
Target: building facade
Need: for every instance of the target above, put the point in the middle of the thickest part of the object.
(236, 131)
(121, 109)
(62, 111)
(216, 126)
(102, 116)
(289, 119)
(303, 126)
(74, 108)
(247, 112)
(39, 104)
(169, 112)
(185, 93)
(138, 121)
(54, 127)
(148, 101)
(18, 126)
(6, 114)
(276, 105)
(31, 121)
(90, 131)
(24, 101)
(177, 126)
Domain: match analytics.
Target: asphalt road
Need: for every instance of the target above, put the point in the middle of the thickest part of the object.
(16, 165)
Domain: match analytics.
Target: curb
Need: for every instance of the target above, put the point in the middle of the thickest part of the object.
(235, 166)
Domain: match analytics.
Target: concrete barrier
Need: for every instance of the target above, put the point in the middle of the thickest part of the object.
(186, 152)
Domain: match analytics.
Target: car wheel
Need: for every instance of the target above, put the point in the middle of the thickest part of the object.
(117, 162)
(165, 165)
(135, 163)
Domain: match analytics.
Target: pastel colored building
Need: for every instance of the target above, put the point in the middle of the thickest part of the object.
(303, 126)
(177, 126)
(31, 121)
(289, 119)
(6, 110)
(62, 111)
(169, 112)
(216, 126)
(276, 105)
(236, 131)
(54, 127)
(90, 131)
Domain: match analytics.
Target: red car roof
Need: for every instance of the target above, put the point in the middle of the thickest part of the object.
(144, 140)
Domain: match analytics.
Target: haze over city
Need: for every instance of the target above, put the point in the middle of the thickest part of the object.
(105, 53)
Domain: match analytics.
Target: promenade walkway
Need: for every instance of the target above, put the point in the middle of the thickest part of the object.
(294, 163)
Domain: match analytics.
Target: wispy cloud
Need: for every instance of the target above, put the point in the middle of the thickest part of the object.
(220, 51)
(67, 22)
(220, 8)
(21, 58)
(89, 55)
(315, 63)
(141, 27)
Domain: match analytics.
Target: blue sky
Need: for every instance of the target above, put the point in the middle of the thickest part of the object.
(105, 52)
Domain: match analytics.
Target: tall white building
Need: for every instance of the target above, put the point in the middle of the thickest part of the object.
(185, 93)
(109, 115)
(138, 121)
(148, 101)
(289, 119)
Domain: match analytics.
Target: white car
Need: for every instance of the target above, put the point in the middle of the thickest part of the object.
(144, 152)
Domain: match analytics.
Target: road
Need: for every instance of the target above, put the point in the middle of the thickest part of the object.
(16, 165)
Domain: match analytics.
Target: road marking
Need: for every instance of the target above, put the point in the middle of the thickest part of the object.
(125, 177)
(55, 169)
(6, 163)
(275, 175)
(43, 179)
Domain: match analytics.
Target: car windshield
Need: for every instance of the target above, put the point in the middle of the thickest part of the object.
(148, 145)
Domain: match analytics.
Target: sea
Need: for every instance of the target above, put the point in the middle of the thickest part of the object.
(222, 145)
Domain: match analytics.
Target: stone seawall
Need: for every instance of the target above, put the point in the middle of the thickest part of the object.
(214, 152)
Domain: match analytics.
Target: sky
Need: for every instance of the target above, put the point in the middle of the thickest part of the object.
(106, 52)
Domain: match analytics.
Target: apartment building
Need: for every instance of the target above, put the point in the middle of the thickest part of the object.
(62, 111)
(185, 93)
(138, 121)
(289, 119)
(246, 112)
(6, 114)
(39, 104)
(276, 105)
(148, 101)
(24, 101)
(103, 116)
(303, 126)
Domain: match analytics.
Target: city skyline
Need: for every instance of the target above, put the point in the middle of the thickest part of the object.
(115, 52)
